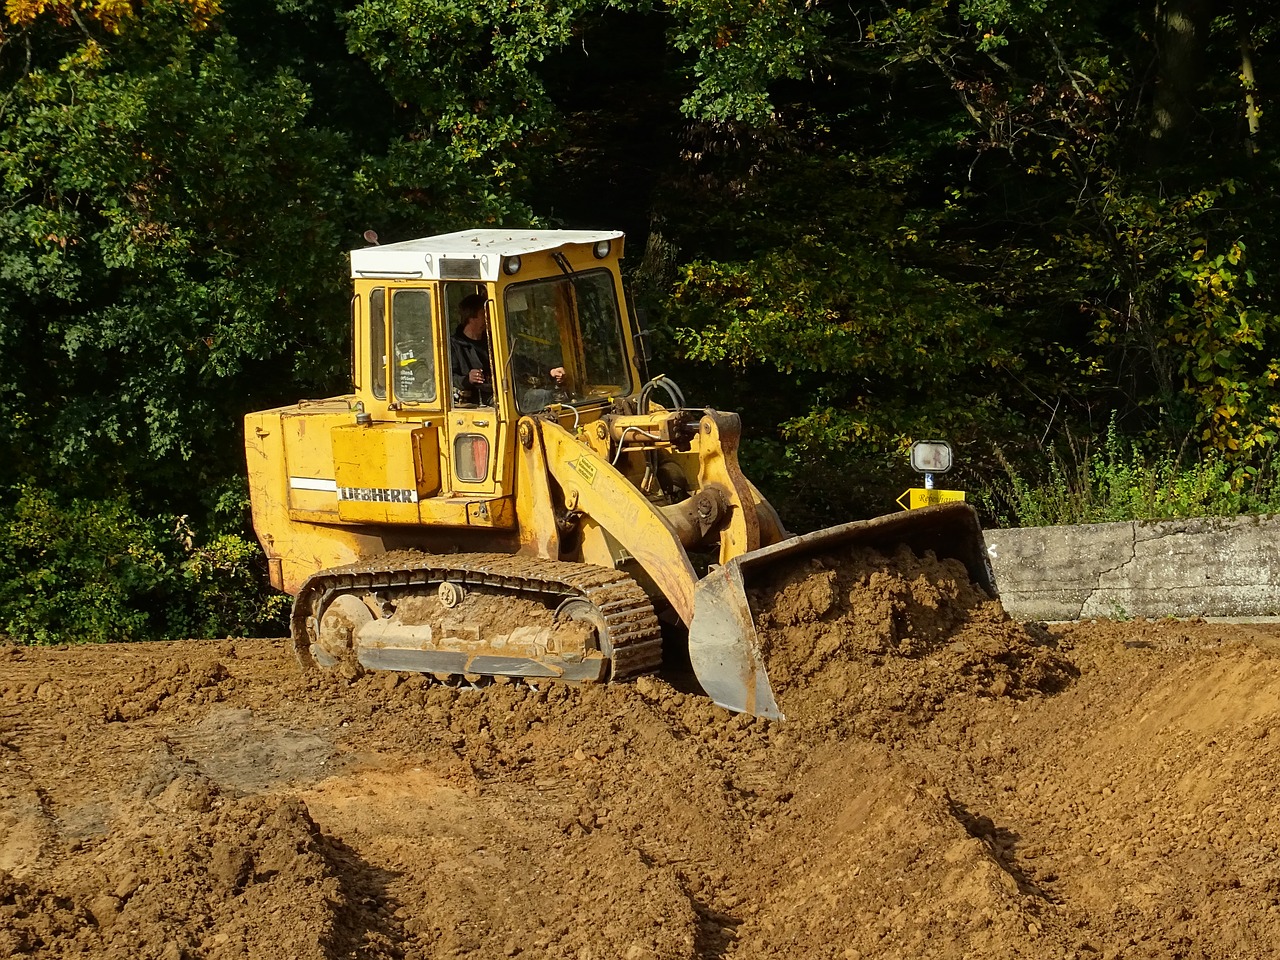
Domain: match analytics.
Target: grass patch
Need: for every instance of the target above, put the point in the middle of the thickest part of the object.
(1118, 481)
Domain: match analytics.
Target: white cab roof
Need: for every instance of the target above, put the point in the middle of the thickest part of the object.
(485, 249)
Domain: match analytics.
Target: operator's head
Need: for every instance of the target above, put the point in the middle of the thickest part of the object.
(475, 316)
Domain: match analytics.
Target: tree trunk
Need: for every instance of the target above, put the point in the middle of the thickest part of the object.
(1252, 113)
(1181, 31)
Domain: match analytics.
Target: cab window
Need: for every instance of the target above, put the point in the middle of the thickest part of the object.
(378, 342)
(570, 324)
(463, 356)
(414, 346)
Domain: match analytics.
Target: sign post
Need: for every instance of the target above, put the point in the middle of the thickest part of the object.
(929, 457)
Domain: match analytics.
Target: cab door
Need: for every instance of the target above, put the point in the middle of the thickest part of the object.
(475, 432)
(419, 380)
(387, 466)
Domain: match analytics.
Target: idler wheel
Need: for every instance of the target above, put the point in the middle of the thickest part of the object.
(335, 638)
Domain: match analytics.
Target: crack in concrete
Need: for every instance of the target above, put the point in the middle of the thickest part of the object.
(1097, 585)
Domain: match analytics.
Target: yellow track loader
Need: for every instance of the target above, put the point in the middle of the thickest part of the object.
(519, 501)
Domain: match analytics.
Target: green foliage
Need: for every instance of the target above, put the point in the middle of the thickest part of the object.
(991, 221)
(859, 325)
(96, 571)
(467, 77)
(108, 15)
(82, 573)
(1104, 197)
(220, 590)
(739, 48)
(169, 259)
(149, 266)
(1117, 481)
(1226, 361)
(875, 345)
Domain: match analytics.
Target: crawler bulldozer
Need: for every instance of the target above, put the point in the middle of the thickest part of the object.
(542, 519)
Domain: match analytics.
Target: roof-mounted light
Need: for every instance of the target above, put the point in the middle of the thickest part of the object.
(602, 248)
(511, 266)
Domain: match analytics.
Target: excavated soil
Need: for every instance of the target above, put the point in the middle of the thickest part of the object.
(948, 784)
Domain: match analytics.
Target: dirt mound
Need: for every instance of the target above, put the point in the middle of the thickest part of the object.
(870, 645)
(1127, 812)
(33, 918)
(884, 866)
(127, 688)
(214, 884)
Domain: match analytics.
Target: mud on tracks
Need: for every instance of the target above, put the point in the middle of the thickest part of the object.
(984, 789)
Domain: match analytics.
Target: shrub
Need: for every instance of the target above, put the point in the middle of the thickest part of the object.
(1119, 482)
(97, 570)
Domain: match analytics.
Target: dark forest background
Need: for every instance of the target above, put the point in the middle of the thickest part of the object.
(1010, 224)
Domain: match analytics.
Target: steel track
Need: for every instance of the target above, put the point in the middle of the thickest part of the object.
(632, 626)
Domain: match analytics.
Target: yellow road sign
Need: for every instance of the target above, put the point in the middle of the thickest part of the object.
(918, 497)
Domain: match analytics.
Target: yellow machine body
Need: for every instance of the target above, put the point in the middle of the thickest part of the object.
(407, 516)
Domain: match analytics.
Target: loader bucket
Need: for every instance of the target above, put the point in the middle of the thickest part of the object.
(724, 647)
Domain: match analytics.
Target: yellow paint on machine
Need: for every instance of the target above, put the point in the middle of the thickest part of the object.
(368, 460)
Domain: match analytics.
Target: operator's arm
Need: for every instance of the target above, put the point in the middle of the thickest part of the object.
(457, 364)
(535, 367)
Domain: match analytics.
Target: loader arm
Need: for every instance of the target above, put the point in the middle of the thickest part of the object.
(591, 485)
(718, 469)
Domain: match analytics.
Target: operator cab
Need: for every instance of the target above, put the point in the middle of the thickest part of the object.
(554, 304)
(557, 337)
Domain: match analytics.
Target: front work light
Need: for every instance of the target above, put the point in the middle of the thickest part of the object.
(602, 248)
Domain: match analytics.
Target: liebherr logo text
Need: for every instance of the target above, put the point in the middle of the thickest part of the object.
(378, 494)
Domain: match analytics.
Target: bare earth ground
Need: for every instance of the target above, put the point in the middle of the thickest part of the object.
(948, 784)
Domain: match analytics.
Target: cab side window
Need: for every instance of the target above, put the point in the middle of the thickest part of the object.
(414, 346)
(464, 353)
(378, 341)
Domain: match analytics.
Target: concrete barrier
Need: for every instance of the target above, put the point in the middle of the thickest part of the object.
(1211, 567)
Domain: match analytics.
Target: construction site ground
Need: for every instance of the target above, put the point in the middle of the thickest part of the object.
(948, 784)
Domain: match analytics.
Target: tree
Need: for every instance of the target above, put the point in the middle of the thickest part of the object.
(1090, 273)
(169, 259)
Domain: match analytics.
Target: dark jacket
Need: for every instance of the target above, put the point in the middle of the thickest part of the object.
(471, 355)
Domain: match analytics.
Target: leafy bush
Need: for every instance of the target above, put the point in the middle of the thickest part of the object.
(1119, 482)
(81, 572)
(98, 570)
(222, 590)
